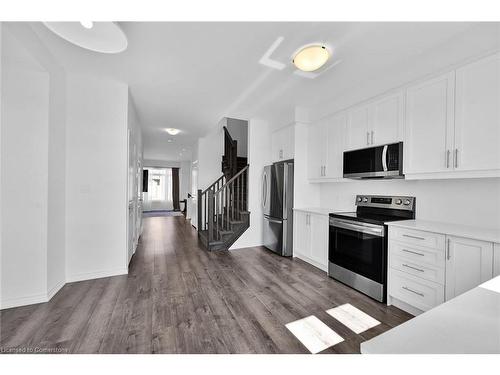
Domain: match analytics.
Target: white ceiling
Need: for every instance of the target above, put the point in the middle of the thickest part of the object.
(190, 75)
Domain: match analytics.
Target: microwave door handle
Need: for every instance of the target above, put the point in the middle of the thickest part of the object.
(384, 158)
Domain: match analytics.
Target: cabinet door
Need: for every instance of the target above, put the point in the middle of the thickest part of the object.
(319, 239)
(496, 259)
(387, 119)
(276, 146)
(288, 136)
(468, 264)
(358, 128)
(301, 234)
(336, 129)
(317, 144)
(429, 126)
(477, 118)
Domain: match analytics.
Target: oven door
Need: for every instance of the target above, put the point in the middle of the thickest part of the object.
(358, 247)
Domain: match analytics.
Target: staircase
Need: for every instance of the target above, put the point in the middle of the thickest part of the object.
(223, 214)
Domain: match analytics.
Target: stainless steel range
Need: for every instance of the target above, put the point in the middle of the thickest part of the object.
(358, 242)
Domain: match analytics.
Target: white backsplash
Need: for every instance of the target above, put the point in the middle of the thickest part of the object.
(461, 201)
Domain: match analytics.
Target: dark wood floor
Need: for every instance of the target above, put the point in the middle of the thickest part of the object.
(178, 298)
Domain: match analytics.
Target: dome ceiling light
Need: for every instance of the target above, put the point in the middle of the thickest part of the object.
(104, 37)
(311, 58)
(172, 131)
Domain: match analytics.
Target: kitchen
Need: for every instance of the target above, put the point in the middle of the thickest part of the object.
(405, 159)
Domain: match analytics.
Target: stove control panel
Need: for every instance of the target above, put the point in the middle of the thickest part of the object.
(380, 201)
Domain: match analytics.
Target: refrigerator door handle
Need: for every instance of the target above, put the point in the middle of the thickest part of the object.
(264, 189)
(271, 220)
(285, 188)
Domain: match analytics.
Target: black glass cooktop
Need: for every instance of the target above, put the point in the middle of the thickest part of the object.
(366, 217)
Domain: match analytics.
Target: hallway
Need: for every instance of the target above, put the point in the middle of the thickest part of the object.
(178, 298)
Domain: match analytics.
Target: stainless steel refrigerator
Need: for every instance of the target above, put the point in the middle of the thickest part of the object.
(277, 203)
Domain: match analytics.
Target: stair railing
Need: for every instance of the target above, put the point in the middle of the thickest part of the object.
(203, 202)
(226, 204)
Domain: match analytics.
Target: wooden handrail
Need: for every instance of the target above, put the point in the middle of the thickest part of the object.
(211, 187)
(233, 178)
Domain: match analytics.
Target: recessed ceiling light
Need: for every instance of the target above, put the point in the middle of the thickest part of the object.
(87, 24)
(311, 58)
(172, 131)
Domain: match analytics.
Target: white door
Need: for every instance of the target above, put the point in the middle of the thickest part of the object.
(477, 118)
(336, 140)
(193, 204)
(429, 126)
(358, 128)
(319, 239)
(468, 264)
(301, 234)
(317, 144)
(496, 259)
(387, 119)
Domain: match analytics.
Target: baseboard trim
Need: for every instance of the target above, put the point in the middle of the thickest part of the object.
(96, 275)
(23, 301)
(56, 288)
(322, 267)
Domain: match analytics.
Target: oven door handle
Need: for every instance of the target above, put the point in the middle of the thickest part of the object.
(376, 231)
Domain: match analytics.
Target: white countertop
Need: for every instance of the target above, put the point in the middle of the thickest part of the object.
(316, 210)
(467, 231)
(469, 323)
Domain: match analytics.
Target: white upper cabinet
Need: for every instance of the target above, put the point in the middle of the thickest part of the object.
(429, 126)
(477, 115)
(337, 127)
(378, 122)
(387, 119)
(358, 133)
(468, 264)
(496, 259)
(326, 145)
(283, 143)
(317, 145)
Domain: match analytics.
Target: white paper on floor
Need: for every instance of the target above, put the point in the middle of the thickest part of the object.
(355, 319)
(314, 334)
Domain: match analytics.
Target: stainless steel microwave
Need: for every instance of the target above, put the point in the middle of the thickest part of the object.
(384, 161)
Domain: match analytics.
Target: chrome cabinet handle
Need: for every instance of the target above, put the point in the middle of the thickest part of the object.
(372, 136)
(324, 170)
(415, 237)
(447, 158)
(411, 290)
(412, 252)
(413, 268)
(456, 158)
(367, 138)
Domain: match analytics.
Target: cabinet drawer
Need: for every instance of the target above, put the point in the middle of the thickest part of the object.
(416, 292)
(431, 273)
(418, 254)
(417, 237)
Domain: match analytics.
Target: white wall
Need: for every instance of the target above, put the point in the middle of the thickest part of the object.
(24, 166)
(259, 155)
(210, 151)
(96, 178)
(461, 201)
(185, 180)
(239, 132)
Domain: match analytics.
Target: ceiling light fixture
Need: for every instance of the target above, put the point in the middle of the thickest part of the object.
(169, 140)
(172, 131)
(87, 24)
(311, 58)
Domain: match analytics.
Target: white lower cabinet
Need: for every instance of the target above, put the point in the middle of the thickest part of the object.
(310, 234)
(468, 264)
(426, 269)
